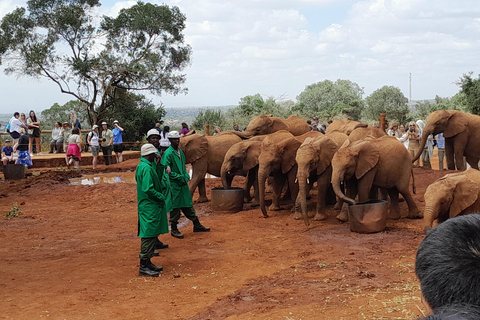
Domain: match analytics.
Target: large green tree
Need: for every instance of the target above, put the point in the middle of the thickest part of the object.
(471, 89)
(389, 100)
(215, 118)
(62, 113)
(142, 49)
(424, 108)
(328, 99)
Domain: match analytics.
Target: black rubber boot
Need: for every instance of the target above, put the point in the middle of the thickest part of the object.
(153, 267)
(145, 270)
(198, 227)
(161, 245)
(175, 233)
(155, 253)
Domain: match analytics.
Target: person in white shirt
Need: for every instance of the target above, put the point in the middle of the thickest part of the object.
(15, 126)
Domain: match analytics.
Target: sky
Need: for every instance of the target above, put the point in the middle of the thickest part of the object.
(278, 47)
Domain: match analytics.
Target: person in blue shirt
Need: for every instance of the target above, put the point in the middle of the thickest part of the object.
(117, 141)
(7, 153)
(441, 150)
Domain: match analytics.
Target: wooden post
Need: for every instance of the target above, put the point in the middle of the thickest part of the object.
(207, 129)
(382, 122)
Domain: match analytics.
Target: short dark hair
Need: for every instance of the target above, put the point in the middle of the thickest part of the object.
(448, 263)
(75, 131)
(16, 114)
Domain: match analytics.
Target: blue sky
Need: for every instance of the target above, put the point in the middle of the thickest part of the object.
(278, 47)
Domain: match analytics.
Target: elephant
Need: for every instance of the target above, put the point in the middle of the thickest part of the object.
(242, 159)
(346, 126)
(362, 131)
(277, 158)
(337, 136)
(462, 137)
(371, 163)
(206, 154)
(267, 124)
(314, 157)
(452, 195)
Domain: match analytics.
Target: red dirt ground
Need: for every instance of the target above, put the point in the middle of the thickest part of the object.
(73, 254)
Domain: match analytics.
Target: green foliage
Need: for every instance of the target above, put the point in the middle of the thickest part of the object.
(471, 89)
(90, 59)
(389, 100)
(15, 211)
(327, 99)
(212, 117)
(423, 109)
(62, 114)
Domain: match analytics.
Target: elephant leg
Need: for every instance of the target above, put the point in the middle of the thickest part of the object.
(322, 186)
(293, 186)
(202, 191)
(394, 207)
(365, 185)
(413, 211)
(246, 188)
(449, 154)
(351, 187)
(278, 183)
(256, 201)
(459, 161)
(373, 195)
(472, 161)
(199, 169)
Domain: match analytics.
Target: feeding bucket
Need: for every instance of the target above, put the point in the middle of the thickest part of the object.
(368, 217)
(14, 171)
(230, 200)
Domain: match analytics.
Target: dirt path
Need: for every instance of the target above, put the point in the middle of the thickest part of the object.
(73, 254)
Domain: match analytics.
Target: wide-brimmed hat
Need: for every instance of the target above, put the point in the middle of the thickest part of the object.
(173, 135)
(94, 127)
(152, 132)
(147, 149)
(8, 140)
(104, 123)
(116, 121)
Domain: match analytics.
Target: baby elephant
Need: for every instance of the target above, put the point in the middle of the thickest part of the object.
(452, 195)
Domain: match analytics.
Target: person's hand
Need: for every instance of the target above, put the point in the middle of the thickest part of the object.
(168, 170)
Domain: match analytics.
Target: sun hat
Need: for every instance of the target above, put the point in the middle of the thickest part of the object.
(94, 127)
(147, 149)
(8, 140)
(314, 123)
(104, 123)
(315, 118)
(173, 135)
(152, 132)
(116, 121)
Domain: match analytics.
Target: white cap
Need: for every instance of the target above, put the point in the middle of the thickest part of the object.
(104, 123)
(152, 132)
(147, 149)
(173, 135)
(94, 127)
(116, 121)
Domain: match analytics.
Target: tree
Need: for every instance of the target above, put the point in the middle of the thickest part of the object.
(62, 113)
(212, 117)
(327, 99)
(471, 90)
(389, 100)
(424, 108)
(142, 49)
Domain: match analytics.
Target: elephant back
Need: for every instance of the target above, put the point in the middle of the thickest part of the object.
(296, 125)
(194, 147)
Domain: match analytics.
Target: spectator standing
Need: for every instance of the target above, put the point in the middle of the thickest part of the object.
(394, 131)
(23, 118)
(164, 141)
(15, 126)
(236, 128)
(428, 150)
(184, 130)
(67, 131)
(107, 141)
(157, 127)
(181, 198)
(57, 138)
(117, 141)
(441, 150)
(322, 128)
(22, 147)
(75, 123)
(74, 154)
(7, 153)
(216, 130)
(34, 132)
(92, 140)
(403, 136)
(413, 144)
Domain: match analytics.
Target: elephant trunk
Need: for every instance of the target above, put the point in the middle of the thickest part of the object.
(302, 196)
(226, 177)
(337, 178)
(262, 177)
(429, 214)
(423, 141)
(243, 134)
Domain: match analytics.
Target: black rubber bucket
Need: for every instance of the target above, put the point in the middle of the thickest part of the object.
(368, 217)
(14, 171)
(230, 200)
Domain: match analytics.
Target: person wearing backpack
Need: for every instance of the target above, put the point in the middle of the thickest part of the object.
(164, 141)
(92, 140)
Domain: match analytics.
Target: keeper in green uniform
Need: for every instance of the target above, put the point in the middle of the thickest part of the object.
(152, 214)
(181, 198)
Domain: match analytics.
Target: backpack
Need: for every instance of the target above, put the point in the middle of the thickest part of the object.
(8, 127)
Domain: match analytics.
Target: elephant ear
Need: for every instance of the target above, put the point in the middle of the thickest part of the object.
(327, 149)
(194, 147)
(367, 157)
(465, 194)
(290, 147)
(251, 154)
(457, 123)
(278, 124)
(345, 144)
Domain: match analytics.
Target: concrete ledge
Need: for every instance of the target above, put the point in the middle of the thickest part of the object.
(58, 159)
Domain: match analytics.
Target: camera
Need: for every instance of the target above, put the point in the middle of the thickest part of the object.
(412, 130)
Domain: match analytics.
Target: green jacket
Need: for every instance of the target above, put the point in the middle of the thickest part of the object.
(152, 214)
(179, 177)
(165, 186)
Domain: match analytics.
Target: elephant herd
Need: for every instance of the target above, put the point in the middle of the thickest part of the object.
(356, 159)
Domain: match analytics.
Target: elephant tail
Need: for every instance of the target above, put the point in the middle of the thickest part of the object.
(414, 190)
